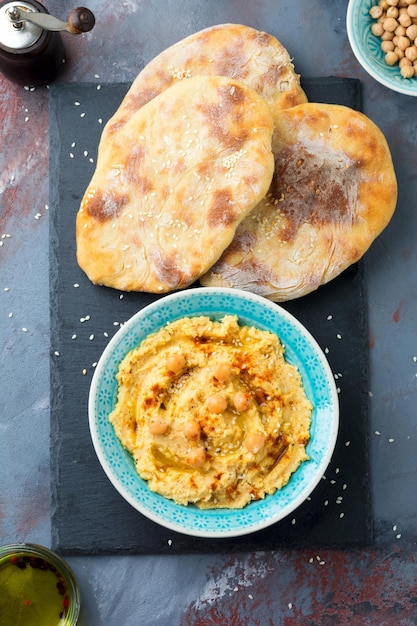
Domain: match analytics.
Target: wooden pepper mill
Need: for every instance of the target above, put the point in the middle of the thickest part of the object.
(31, 46)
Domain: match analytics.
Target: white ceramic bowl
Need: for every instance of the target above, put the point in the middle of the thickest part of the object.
(301, 350)
(367, 49)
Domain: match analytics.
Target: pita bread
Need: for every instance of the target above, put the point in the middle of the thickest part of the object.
(334, 190)
(240, 52)
(173, 183)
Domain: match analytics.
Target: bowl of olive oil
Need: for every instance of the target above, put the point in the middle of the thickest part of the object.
(38, 588)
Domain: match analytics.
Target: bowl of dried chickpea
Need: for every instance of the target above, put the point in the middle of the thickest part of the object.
(383, 38)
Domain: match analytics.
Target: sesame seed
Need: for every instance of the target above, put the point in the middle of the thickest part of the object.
(56, 353)
(24, 329)
(84, 372)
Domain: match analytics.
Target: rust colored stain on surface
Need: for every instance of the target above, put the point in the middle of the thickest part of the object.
(316, 588)
(371, 340)
(23, 152)
(396, 316)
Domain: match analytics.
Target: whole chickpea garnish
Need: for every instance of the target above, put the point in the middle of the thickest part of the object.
(175, 362)
(216, 403)
(157, 425)
(254, 442)
(192, 429)
(223, 371)
(242, 401)
(196, 457)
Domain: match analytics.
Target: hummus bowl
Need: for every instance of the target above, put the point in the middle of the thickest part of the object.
(301, 350)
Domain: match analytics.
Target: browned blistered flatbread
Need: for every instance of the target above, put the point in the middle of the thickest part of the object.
(334, 190)
(173, 183)
(240, 52)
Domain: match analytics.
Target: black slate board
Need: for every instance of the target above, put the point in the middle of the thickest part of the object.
(88, 515)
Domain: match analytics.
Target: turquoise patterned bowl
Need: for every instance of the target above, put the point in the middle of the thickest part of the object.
(301, 350)
(367, 49)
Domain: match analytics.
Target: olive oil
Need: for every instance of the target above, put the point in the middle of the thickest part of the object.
(36, 590)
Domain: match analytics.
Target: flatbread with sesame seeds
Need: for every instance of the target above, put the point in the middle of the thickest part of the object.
(253, 57)
(172, 185)
(333, 192)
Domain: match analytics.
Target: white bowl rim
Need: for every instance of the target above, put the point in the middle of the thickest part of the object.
(224, 533)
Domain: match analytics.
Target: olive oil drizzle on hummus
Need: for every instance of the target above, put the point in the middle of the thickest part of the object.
(212, 413)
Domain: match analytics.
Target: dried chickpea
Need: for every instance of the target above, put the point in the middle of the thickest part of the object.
(157, 425)
(175, 363)
(216, 403)
(405, 20)
(407, 71)
(242, 401)
(390, 24)
(403, 43)
(411, 53)
(254, 442)
(411, 31)
(192, 429)
(404, 61)
(376, 12)
(377, 30)
(387, 46)
(391, 58)
(387, 36)
(398, 19)
(222, 372)
(196, 457)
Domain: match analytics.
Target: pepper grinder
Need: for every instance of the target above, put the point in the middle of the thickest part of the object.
(31, 46)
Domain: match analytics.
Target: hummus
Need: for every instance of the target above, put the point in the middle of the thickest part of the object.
(212, 413)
